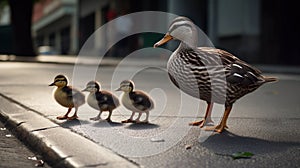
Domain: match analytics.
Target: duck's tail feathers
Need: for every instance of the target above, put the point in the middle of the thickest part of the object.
(270, 79)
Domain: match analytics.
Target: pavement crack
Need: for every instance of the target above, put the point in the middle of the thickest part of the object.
(42, 129)
(96, 165)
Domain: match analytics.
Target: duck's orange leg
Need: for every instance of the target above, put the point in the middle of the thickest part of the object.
(207, 117)
(219, 128)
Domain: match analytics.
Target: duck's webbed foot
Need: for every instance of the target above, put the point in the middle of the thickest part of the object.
(202, 123)
(219, 128)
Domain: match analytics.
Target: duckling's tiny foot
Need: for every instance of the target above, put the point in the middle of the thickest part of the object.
(64, 117)
(128, 121)
(95, 118)
(73, 117)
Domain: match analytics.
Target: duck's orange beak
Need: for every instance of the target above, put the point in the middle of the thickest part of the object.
(165, 39)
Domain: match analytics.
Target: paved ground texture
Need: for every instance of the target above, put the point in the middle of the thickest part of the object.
(264, 123)
(14, 153)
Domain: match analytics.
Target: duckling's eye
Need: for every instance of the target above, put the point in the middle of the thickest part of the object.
(59, 81)
(124, 86)
(91, 87)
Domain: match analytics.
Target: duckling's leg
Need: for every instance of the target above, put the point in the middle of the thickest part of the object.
(145, 121)
(138, 118)
(64, 116)
(98, 117)
(207, 118)
(147, 117)
(75, 115)
(219, 128)
(130, 120)
(109, 115)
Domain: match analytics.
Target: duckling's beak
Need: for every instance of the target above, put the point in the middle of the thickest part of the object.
(118, 89)
(165, 39)
(84, 90)
(52, 84)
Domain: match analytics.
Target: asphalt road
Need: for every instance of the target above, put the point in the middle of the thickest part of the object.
(264, 122)
(15, 154)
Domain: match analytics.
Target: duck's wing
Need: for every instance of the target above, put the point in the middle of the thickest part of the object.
(236, 71)
(140, 100)
(73, 93)
(239, 72)
(106, 97)
(101, 97)
(69, 92)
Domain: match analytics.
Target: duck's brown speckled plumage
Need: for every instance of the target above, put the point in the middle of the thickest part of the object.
(213, 75)
(189, 68)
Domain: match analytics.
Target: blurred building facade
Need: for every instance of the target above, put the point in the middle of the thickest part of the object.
(257, 31)
(6, 42)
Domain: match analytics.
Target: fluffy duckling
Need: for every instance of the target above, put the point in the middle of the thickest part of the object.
(101, 100)
(135, 101)
(67, 96)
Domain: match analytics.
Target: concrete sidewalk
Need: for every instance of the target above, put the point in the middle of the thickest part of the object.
(59, 146)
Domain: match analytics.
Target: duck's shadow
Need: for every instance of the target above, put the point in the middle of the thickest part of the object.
(142, 126)
(227, 142)
(72, 123)
(104, 123)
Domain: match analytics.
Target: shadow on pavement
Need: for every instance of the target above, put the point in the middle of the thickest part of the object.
(228, 142)
(104, 123)
(71, 123)
(142, 126)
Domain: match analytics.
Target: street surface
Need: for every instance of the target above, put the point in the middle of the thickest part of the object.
(15, 154)
(264, 123)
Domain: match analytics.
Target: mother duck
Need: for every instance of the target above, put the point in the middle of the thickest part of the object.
(213, 75)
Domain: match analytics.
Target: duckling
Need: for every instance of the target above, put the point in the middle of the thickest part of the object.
(67, 96)
(135, 101)
(100, 100)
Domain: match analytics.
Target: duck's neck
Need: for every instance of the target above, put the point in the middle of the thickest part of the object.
(184, 46)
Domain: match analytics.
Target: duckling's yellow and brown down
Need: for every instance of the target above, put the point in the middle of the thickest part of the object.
(67, 96)
(211, 74)
(135, 101)
(101, 100)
